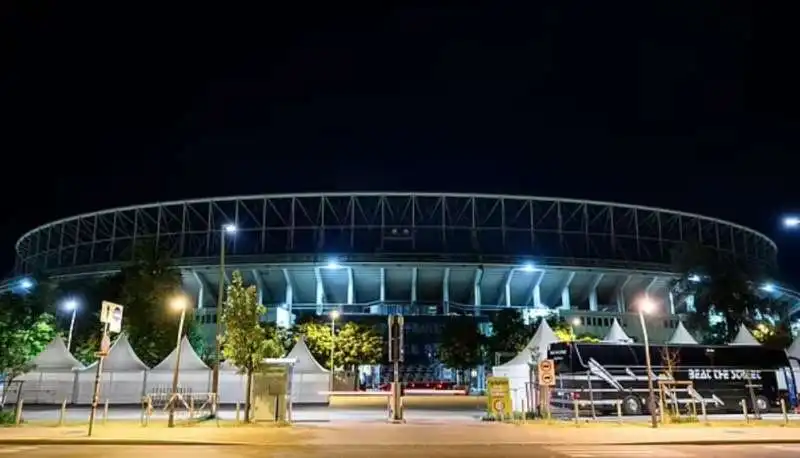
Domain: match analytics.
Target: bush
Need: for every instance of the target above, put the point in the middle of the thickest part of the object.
(515, 416)
(7, 417)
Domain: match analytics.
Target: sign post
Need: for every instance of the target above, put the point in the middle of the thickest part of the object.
(110, 320)
(546, 372)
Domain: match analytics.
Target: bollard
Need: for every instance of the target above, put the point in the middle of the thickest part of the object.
(105, 412)
(18, 411)
(785, 412)
(215, 400)
(237, 412)
(191, 407)
(149, 411)
(744, 411)
(577, 413)
(661, 411)
(619, 411)
(705, 412)
(62, 415)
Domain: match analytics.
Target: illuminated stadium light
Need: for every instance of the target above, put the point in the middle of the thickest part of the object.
(791, 222)
(528, 267)
(333, 265)
(694, 278)
(26, 283)
(768, 287)
(229, 228)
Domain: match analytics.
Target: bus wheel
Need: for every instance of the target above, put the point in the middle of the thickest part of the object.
(631, 406)
(762, 403)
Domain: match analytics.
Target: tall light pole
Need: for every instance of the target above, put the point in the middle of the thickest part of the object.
(179, 303)
(71, 305)
(334, 316)
(573, 323)
(226, 229)
(646, 305)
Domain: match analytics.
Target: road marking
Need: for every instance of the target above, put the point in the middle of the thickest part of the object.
(16, 449)
(606, 451)
(787, 447)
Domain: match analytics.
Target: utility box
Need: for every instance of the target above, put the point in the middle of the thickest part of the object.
(272, 391)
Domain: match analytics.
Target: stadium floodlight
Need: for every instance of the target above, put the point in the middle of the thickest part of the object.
(26, 283)
(229, 228)
(791, 222)
(694, 278)
(528, 267)
(768, 287)
(333, 265)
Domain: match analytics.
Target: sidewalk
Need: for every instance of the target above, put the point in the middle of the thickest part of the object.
(355, 434)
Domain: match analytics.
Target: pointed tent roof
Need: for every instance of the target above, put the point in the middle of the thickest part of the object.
(189, 359)
(55, 357)
(682, 336)
(616, 334)
(121, 358)
(794, 349)
(543, 337)
(304, 360)
(744, 337)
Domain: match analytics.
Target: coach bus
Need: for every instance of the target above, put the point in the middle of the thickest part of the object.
(602, 375)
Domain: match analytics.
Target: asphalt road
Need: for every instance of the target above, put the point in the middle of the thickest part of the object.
(476, 451)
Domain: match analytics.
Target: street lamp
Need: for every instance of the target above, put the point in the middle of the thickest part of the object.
(334, 316)
(178, 303)
(71, 305)
(575, 322)
(226, 229)
(646, 305)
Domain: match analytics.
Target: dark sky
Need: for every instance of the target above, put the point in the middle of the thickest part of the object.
(688, 105)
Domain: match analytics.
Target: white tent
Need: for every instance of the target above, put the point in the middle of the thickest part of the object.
(193, 374)
(518, 368)
(309, 378)
(794, 349)
(52, 378)
(744, 337)
(616, 334)
(681, 336)
(123, 379)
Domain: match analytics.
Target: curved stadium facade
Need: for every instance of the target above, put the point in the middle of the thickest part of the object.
(421, 254)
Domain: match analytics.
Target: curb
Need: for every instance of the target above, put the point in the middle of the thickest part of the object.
(154, 442)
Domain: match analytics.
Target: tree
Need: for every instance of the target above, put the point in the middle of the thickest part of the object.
(461, 345)
(145, 288)
(23, 335)
(245, 342)
(566, 333)
(318, 339)
(356, 345)
(720, 285)
(773, 335)
(509, 334)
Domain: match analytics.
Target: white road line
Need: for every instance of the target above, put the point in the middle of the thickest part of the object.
(787, 447)
(16, 449)
(599, 451)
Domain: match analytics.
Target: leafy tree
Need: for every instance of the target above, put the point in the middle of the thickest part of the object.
(509, 333)
(145, 288)
(356, 345)
(318, 339)
(23, 335)
(461, 346)
(774, 336)
(245, 343)
(566, 333)
(281, 335)
(720, 285)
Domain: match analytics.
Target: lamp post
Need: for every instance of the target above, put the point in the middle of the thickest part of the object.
(226, 229)
(334, 316)
(646, 305)
(71, 305)
(572, 325)
(178, 303)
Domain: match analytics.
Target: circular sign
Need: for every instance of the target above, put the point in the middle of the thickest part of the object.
(546, 366)
(547, 379)
(499, 405)
(117, 314)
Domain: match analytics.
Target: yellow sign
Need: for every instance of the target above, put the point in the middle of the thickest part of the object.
(547, 373)
(498, 396)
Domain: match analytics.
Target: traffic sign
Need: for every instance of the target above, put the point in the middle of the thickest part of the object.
(111, 314)
(547, 373)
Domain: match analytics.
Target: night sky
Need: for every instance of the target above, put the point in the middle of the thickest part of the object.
(686, 105)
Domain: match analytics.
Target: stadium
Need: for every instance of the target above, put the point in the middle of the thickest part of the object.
(425, 255)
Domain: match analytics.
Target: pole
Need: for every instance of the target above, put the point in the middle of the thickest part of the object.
(333, 345)
(397, 415)
(71, 327)
(651, 395)
(176, 371)
(220, 291)
(96, 390)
